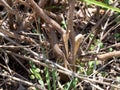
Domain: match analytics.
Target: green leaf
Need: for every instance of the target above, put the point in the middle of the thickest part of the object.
(66, 86)
(110, 49)
(117, 35)
(34, 31)
(54, 75)
(64, 24)
(47, 75)
(37, 75)
(106, 1)
(91, 64)
(117, 17)
(118, 78)
(31, 70)
(41, 82)
(92, 47)
(71, 85)
(102, 5)
(32, 77)
(37, 70)
(91, 36)
(101, 45)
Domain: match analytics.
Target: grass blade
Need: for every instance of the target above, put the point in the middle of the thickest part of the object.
(102, 5)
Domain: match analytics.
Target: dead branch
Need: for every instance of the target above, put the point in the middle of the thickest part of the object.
(109, 55)
(17, 79)
(16, 36)
(111, 46)
(96, 29)
(8, 8)
(70, 27)
(58, 18)
(47, 19)
(42, 3)
(111, 29)
(61, 69)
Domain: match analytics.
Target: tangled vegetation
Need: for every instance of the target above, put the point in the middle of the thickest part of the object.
(59, 45)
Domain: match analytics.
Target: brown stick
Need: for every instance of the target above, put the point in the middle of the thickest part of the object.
(10, 16)
(42, 3)
(96, 30)
(16, 36)
(109, 55)
(58, 18)
(8, 8)
(61, 69)
(70, 27)
(111, 46)
(47, 19)
(111, 29)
